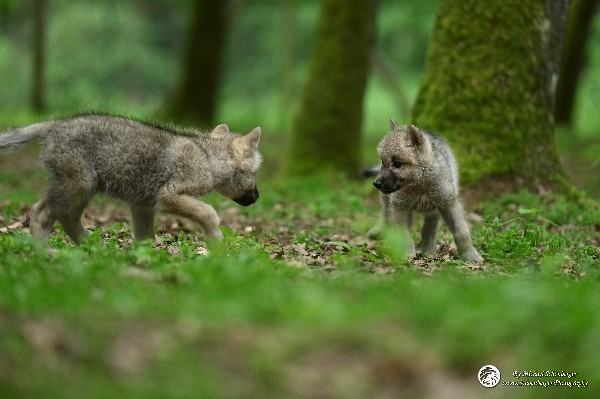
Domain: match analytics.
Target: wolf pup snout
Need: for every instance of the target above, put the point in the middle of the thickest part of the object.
(418, 172)
(387, 183)
(248, 198)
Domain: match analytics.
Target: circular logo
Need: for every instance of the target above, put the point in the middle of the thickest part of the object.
(489, 376)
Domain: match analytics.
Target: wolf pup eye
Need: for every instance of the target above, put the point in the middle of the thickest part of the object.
(396, 164)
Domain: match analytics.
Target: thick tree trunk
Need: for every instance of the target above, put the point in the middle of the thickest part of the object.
(38, 100)
(327, 128)
(489, 86)
(574, 58)
(195, 97)
(287, 56)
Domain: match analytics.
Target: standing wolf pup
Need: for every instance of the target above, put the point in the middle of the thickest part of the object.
(418, 172)
(151, 168)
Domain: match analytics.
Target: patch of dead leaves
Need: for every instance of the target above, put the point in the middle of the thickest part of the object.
(303, 242)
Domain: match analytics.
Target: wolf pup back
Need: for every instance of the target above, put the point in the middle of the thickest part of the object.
(149, 167)
(418, 172)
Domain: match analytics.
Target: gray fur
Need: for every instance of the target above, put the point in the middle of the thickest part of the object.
(419, 173)
(22, 135)
(150, 167)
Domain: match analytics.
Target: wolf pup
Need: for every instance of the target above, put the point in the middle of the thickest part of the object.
(418, 172)
(149, 167)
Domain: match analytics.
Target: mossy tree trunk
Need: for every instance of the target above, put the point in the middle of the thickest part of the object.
(574, 57)
(195, 97)
(489, 86)
(326, 131)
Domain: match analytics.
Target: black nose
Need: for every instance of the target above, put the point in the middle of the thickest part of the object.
(248, 198)
(386, 185)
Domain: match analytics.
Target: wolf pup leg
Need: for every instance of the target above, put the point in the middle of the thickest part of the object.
(454, 216)
(384, 218)
(430, 227)
(375, 232)
(65, 201)
(41, 220)
(142, 219)
(403, 219)
(194, 209)
(43, 216)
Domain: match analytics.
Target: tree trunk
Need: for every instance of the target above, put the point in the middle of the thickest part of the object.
(287, 56)
(195, 97)
(326, 133)
(38, 101)
(489, 86)
(574, 58)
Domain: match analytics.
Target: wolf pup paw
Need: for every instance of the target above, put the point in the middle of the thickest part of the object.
(216, 235)
(374, 233)
(472, 256)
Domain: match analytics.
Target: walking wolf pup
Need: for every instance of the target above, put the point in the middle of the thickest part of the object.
(149, 167)
(418, 172)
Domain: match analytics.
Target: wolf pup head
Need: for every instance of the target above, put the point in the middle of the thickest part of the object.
(241, 185)
(404, 152)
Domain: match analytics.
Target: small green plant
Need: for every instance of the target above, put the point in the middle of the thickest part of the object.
(517, 237)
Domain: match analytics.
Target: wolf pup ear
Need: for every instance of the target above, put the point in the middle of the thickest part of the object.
(393, 124)
(416, 136)
(246, 145)
(219, 130)
(253, 138)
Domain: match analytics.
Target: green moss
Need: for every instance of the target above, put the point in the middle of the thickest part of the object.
(327, 127)
(485, 87)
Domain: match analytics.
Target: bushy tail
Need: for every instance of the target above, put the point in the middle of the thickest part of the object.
(22, 135)
(371, 171)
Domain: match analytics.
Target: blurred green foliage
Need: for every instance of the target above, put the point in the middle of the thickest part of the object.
(123, 57)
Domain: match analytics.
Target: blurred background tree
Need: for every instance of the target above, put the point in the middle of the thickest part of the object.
(489, 86)
(128, 57)
(327, 130)
(574, 58)
(38, 84)
(195, 96)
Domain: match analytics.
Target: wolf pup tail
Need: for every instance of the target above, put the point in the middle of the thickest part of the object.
(371, 171)
(22, 135)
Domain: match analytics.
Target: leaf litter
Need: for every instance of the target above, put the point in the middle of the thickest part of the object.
(304, 241)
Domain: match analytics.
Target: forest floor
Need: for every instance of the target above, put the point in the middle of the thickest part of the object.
(296, 301)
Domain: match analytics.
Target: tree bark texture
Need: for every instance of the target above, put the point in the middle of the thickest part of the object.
(326, 131)
(489, 86)
(195, 97)
(38, 84)
(574, 58)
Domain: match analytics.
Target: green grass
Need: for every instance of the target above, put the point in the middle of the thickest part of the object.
(296, 302)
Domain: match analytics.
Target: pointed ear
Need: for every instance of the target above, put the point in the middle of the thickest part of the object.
(416, 136)
(220, 129)
(253, 138)
(244, 146)
(393, 124)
